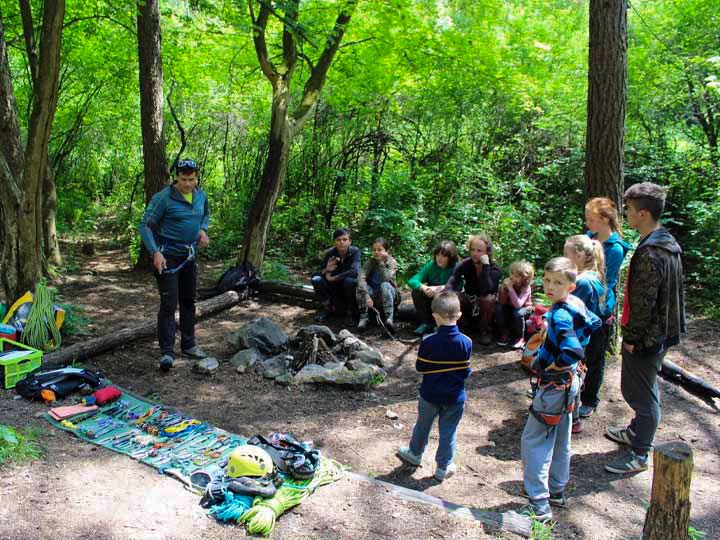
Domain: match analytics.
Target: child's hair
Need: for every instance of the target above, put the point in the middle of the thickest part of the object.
(564, 266)
(342, 231)
(446, 305)
(647, 196)
(384, 243)
(605, 208)
(593, 254)
(483, 237)
(523, 269)
(447, 248)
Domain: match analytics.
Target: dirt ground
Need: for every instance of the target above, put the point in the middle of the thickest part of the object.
(80, 491)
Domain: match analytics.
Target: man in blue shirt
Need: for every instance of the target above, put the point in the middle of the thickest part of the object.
(174, 225)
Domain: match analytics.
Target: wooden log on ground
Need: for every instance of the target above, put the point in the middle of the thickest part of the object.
(692, 383)
(91, 347)
(506, 521)
(304, 294)
(669, 514)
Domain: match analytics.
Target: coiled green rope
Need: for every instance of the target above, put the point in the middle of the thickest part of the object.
(41, 331)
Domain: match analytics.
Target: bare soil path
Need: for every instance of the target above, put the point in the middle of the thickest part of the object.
(80, 491)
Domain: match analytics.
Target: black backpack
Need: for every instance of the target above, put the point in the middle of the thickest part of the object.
(242, 279)
(62, 381)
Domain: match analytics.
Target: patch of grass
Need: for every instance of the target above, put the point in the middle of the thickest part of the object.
(377, 379)
(540, 530)
(694, 534)
(17, 446)
(276, 271)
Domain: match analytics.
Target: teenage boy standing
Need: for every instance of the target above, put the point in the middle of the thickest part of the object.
(653, 317)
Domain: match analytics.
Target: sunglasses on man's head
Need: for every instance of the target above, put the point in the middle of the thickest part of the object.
(187, 165)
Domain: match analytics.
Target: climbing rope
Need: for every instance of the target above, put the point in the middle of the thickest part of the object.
(41, 331)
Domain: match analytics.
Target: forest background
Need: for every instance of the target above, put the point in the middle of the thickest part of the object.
(438, 118)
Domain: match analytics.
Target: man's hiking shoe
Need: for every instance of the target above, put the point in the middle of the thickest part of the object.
(407, 456)
(619, 435)
(533, 512)
(166, 362)
(557, 500)
(442, 473)
(423, 329)
(631, 463)
(194, 352)
(586, 411)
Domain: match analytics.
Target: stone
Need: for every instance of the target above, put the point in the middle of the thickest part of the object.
(275, 366)
(319, 330)
(369, 356)
(335, 374)
(286, 379)
(245, 359)
(263, 335)
(206, 366)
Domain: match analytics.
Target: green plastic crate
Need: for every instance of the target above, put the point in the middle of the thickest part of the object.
(14, 369)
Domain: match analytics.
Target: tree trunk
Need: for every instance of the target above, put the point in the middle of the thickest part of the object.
(151, 105)
(52, 246)
(669, 514)
(22, 174)
(607, 92)
(261, 209)
(91, 347)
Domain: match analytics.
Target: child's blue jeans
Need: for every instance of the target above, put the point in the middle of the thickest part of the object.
(449, 418)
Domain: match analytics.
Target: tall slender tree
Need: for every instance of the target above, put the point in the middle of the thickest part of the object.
(151, 103)
(607, 96)
(23, 167)
(285, 123)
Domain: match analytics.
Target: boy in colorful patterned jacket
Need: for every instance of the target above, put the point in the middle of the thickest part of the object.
(545, 443)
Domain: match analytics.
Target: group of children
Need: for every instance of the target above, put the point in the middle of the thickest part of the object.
(581, 287)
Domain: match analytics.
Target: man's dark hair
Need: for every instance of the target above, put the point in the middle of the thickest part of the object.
(647, 196)
(342, 231)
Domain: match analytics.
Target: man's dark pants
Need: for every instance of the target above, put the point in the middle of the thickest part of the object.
(179, 287)
(339, 294)
(639, 386)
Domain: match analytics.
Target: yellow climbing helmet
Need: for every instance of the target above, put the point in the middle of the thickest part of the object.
(249, 460)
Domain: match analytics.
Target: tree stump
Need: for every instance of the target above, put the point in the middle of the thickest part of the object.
(669, 514)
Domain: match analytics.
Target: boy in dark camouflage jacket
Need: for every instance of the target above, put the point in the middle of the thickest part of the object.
(653, 318)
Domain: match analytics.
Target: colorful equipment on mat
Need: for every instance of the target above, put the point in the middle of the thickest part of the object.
(249, 460)
(289, 455)
(102, 396)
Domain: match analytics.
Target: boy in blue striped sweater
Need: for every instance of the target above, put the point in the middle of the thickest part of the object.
(444, 361)
(545, 443)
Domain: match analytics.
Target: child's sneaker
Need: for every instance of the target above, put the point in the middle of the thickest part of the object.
(628, 464)
(619, 435)
(586, 411)
(519, 344)
(503, 340)
(577, 426)
(441, 473)
(407, 456)
(556, 499)
(531, 511)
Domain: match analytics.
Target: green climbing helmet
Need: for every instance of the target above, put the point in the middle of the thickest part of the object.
(249, 460)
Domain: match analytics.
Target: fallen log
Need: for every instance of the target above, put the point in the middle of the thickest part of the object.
(692, 383)
(92, 347)
(305, 295)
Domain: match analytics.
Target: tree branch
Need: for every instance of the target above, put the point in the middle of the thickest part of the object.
(311, 92)
(290, 53)
(100, 17)
(181, 130)
(29, 35)
(259, 25)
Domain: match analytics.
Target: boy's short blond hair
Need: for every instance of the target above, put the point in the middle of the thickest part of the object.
(564, 266)
(446, 305)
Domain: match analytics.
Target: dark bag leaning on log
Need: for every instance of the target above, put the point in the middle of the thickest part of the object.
(242, 279)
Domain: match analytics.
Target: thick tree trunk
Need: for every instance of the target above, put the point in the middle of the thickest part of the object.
(52, 246)
(21, 177)
(669, 514)
(607, 91)
(261, 210)
(151, 104)
(122, 336)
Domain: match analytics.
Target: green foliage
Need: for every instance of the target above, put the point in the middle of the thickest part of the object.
(540, 530)
(694, 534)
(18, 446)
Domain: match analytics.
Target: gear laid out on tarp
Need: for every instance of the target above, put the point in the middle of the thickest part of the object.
(240, 482)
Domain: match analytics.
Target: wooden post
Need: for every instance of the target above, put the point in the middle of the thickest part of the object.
(669, 514)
